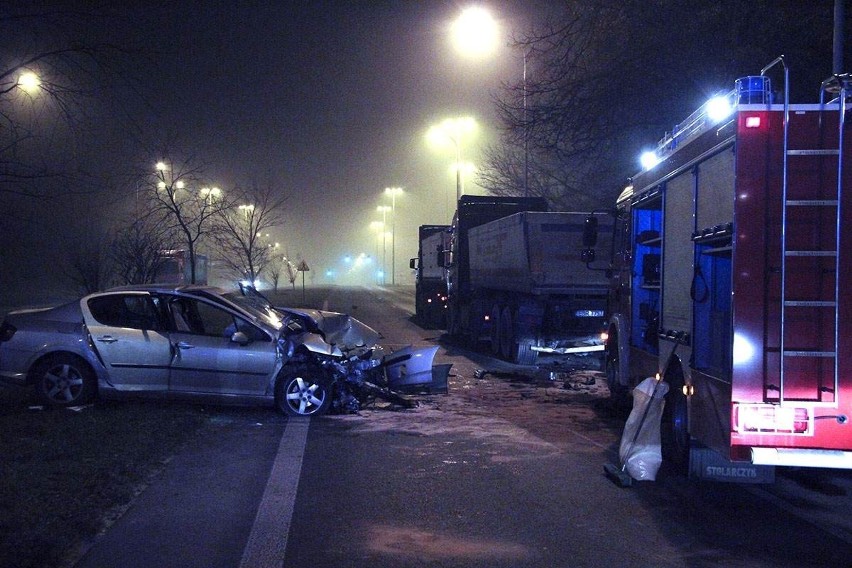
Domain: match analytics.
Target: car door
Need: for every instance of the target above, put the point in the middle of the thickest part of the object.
(208, 361)
(129, 334)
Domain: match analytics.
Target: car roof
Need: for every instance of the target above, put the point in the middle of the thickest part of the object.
(186, 288)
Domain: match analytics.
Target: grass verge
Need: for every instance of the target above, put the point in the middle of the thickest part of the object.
(63, 473)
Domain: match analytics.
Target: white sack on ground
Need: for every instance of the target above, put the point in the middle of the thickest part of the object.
(643, 456)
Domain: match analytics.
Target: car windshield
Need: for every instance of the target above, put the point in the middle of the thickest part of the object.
(252, 301)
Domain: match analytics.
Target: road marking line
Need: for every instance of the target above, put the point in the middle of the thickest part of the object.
(267, 542)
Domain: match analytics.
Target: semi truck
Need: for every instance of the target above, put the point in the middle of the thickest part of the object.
(517, 278)
(730, 280)
(430, 286)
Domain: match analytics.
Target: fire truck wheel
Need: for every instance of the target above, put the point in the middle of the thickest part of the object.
(495, 329)
(675, 432)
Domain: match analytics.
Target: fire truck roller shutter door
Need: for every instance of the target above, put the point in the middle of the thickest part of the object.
(677, 271)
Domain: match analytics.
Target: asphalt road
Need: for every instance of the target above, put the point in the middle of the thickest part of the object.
(504, 471)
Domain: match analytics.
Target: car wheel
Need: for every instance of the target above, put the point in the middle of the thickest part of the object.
(64, 380)
(302, 391)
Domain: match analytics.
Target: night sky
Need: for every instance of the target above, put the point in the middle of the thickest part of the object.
(330, 101)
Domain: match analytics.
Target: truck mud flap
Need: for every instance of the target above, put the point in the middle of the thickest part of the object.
(707, 465)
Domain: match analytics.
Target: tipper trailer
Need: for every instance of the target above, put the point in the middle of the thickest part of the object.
(731, 273)
(518, 281)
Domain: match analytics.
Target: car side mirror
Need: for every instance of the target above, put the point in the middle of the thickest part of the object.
(412, 264)
(240, 338)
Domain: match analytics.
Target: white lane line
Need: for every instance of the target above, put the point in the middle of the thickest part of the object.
(268, 539)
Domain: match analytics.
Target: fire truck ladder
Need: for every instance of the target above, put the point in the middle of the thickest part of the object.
(790, 206)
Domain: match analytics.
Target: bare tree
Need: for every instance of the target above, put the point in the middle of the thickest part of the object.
(52, 65)
(88, 261)
(178, 197)
(242, 240)
(291, 271)
(137, 250)
(607, 78)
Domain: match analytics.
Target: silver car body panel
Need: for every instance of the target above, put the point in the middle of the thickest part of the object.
(42, 332)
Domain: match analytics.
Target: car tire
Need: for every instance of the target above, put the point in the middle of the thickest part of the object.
(303, 390)
(64, 380)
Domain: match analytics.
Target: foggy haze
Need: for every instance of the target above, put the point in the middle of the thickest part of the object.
(329, 101)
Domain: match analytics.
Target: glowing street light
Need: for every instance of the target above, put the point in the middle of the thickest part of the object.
(211, 194)
(246, 209)
(167, 182)
(393, 192)
(453, 130)
(29, 82)
(475, 33)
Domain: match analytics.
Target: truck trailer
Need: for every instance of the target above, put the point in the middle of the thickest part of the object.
(430, 285)
(518, 279)
(731, 278)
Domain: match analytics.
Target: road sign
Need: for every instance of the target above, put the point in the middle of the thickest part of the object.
(303, 267)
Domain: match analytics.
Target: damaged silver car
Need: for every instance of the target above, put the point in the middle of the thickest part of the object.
(203, 343)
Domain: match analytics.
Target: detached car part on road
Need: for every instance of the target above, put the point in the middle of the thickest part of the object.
(204, 343)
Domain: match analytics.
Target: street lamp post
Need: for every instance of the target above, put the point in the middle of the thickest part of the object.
(379, 227)
(393, 192)
(453, 129)
(383, 209)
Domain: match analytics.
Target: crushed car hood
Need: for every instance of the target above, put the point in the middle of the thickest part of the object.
(339, 329)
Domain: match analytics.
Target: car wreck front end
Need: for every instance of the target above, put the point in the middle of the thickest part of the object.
(334, 362)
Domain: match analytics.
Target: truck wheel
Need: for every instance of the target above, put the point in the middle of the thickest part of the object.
(508, 346)
(452, 322)
(525, 355)
(495, 329)
(675, 432)
(474, 328)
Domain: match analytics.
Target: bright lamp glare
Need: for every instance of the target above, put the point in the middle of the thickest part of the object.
(475, 32)
(743, 350)
(648, 160)
(29, 82)
(718, 109)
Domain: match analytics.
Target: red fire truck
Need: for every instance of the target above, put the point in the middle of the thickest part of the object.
(731, 278)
